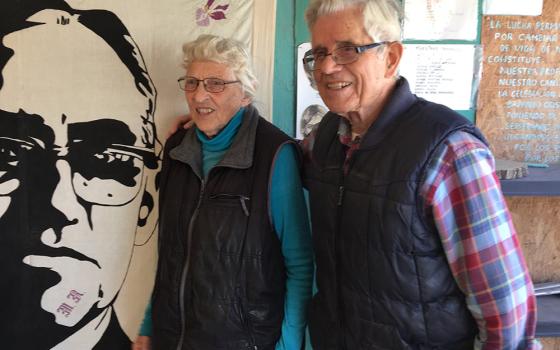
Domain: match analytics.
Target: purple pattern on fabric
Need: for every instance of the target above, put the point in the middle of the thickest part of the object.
(205, 13)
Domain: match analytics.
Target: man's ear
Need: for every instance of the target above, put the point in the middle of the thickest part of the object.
(393, 58)
(148, 212)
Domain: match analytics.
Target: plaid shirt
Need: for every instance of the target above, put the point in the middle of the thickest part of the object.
(462, 196)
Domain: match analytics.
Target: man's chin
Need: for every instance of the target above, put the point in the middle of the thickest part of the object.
(342, 108)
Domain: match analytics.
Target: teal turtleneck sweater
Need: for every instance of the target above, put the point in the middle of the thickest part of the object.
(213, 149)
(289, 216)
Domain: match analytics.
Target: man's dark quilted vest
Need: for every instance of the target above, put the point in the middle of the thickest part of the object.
(221, 278)
(383, 279)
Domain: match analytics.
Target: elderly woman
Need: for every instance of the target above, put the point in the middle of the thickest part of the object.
(235, 260)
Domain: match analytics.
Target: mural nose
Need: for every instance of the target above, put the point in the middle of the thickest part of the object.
(64, 201)
(48, 206)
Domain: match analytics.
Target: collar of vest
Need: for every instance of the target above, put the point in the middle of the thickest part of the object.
(401, 100)
(238, 156)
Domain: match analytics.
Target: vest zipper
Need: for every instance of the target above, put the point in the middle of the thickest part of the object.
(340, 306)
(243, 199)
(340, 195)
(341, 319)
(186, 266)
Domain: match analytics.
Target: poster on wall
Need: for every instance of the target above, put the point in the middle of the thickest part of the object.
(87, 92)
(441, 73)
(512, 7)
(310, 108)
(440, 19)
(519, 104)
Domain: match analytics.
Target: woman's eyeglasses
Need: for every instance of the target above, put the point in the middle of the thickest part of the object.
(190, 84)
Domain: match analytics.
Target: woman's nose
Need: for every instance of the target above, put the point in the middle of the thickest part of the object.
(200, 94)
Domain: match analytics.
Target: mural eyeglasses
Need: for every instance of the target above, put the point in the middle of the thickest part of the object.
(110, 175)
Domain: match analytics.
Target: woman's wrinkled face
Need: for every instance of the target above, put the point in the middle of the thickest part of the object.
(211, 111)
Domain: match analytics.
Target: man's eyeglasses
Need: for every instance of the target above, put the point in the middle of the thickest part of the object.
(210, 84)
(342, 55)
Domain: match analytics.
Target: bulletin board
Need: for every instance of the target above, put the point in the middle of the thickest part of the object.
(519, 106)
(441, 58)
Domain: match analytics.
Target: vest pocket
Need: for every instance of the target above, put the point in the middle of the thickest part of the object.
(221, 226)
(229, 199)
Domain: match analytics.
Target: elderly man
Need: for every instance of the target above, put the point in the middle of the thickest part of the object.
(414, 243)
(77, 175)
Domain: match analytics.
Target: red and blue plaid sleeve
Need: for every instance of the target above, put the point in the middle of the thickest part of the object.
(462, 194)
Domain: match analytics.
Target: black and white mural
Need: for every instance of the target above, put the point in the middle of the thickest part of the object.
(84, 85)
(78, 165)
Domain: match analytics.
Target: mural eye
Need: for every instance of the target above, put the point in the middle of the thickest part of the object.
(107, 164)
(110, 157)
(109, 177)
(11, 151)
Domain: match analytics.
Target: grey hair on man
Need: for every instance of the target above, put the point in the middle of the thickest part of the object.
(382, 18)
(227, 51)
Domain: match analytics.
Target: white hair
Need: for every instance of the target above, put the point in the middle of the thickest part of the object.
(226, 51)
(382, 18)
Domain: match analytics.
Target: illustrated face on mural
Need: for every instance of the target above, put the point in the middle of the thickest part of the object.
(77, 161)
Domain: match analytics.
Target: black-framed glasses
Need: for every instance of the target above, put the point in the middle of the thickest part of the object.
(210, 84)
(341, 55)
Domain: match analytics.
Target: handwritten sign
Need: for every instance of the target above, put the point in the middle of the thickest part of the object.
(519, 101)
(440, 73)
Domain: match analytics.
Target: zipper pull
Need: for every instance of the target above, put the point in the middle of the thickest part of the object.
(340, 195)
(242, 199)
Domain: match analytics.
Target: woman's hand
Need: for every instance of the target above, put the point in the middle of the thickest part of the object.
(184, 121)
(142, 343)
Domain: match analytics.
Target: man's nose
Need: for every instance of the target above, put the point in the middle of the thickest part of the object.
(328, 65)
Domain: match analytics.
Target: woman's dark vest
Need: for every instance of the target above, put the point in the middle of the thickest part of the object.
(383, 279)
(221, 281)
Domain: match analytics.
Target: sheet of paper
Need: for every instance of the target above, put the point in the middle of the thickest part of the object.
(513, 7)
(309, 106)
(440, 73)
(440, 19)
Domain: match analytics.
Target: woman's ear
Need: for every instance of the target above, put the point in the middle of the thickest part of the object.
(246, 101)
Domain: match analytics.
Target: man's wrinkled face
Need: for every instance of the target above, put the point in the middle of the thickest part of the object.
(71, 170)
(353, 87)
